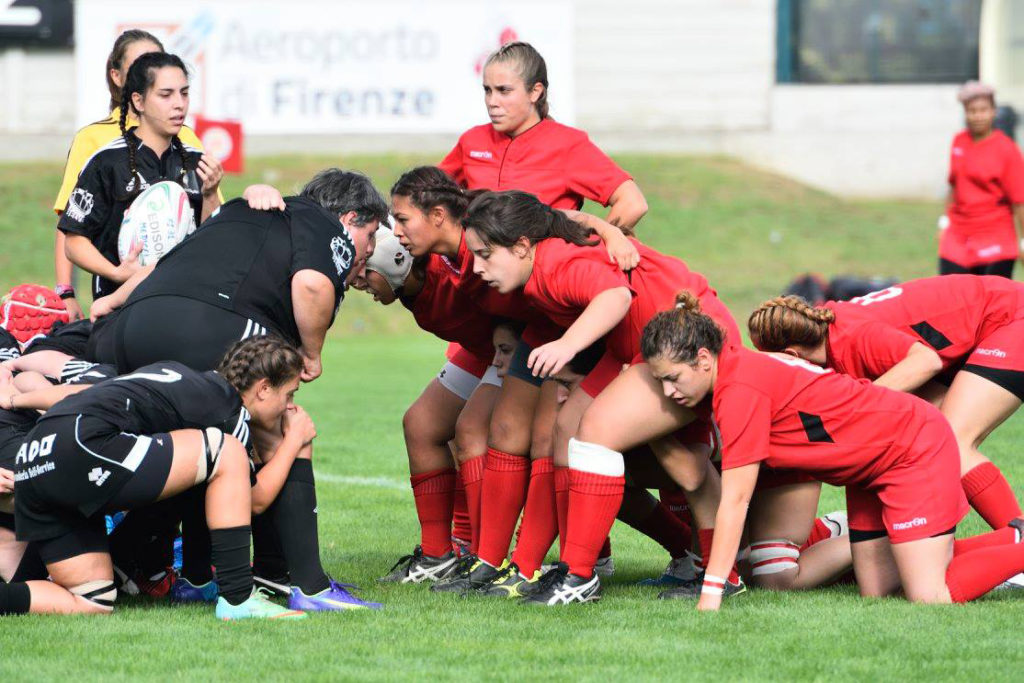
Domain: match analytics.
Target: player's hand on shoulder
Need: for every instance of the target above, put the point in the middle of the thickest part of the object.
(311, 368)
(210, 172)
(622, 251)
(298, 424)
(548, 359)
(263, 197)
(101, 307)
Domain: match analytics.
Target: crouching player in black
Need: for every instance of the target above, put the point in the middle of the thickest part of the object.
(136, 439)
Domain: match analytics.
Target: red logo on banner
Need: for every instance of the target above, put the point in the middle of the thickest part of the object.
(222, 139)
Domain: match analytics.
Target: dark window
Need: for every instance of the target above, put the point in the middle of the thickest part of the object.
(878, 41)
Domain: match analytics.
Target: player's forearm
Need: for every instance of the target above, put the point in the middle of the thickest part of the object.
(313, 305)
(211, 203)
(600, 317)
(84, 254)
(62, 267)
(732, 515)
(272, 476)
(42, 399)
(120, 295)
(920, 365)
(627, 206)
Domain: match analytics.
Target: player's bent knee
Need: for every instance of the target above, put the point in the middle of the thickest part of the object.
(774, 563)
(596, 428)
(225, 457)
(97, 596)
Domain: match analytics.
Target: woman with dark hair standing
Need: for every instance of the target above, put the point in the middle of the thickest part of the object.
(126, 49)
(986, 196)
(156, 91)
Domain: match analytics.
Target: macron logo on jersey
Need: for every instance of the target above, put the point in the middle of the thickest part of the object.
(916, 521)
(997, 353)
(958, 152)
(480, 154)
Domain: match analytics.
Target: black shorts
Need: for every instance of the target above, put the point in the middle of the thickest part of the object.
(1011, 380)
(169, 328)
(518, 367)
(1000, 268)
(76, 468)
(70, 338)
(11, 438)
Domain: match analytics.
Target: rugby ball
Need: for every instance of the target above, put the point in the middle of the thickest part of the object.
(158, 219)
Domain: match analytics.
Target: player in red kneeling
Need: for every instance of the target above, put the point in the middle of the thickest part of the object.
(895, 454)
(963, 331)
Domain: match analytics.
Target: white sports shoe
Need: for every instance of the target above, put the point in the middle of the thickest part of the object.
(837, 523)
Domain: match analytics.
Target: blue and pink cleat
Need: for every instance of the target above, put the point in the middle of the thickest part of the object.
(334, 598)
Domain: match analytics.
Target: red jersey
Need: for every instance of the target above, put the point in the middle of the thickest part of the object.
(987, 179)
(949, 313)
(559, 164)
(567, 277)
(443, 310)
(792, 415)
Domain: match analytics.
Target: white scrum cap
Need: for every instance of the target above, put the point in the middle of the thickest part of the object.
(390, 259)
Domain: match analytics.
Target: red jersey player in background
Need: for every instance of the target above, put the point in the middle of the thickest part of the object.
(986, 197)
(523, 148)
(894, 453)
(966, 328)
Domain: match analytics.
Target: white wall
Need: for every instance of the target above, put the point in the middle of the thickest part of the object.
(690, 76)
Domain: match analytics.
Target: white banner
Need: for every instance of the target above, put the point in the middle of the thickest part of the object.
(308, 66)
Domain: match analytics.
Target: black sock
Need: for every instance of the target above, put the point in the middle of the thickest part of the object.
(294, 515)
(31, 567)
(15, 598)
(196, 556)
(267, 554)
(231, 558)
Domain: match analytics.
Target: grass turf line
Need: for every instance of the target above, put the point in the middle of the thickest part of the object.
(717, 215)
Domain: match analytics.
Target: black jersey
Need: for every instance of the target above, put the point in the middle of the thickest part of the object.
(69, 338)
(159, 398)
(9, 346)
(243, 261)
(21, 419)
(106, 188)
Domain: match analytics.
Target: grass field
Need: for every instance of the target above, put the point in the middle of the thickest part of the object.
(749, 232)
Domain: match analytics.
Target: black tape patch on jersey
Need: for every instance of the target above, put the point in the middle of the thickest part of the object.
(935, 339)
(814, 428)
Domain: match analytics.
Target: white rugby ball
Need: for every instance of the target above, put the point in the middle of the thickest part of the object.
(158, 219)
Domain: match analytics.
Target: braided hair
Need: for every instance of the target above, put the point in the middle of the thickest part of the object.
(428, 187)
(678, 334)
(788, 321)
(266, 357)
(140, 78)
(501, 218)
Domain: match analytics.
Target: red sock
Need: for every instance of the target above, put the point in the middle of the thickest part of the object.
(990, 494)
(594, 502)
(819, 532)
(665, 528)
(540, 518)
(461, 528)
(562, 505)
(506, 478)
(706, 538)
(472, 472)
(1005, 536)
(676, 501)
(435, 494)
(971, 575)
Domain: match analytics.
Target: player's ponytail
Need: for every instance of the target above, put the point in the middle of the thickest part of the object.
(501, 218)
(116, 58)
(788, 321)
(529, 65)
(428, 187)
(140, 78)
(267, 357)
(678, 334)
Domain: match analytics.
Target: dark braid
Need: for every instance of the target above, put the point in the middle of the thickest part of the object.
(268, 357)
(428, 187)
(502, 218)
(140, 78)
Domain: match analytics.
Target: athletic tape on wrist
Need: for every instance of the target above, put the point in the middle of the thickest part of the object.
(713, 585)
(591, 457)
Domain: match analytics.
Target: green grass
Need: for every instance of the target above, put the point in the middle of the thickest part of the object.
(720, 217)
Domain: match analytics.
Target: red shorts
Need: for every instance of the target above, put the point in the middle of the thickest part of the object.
(921, 497)
(1001, 350)
(467, 361)
(771, 478)
(970, 249)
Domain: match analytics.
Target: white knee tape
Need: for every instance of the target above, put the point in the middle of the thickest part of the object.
(773, 556)
(213, 443)
(102, 594)
(590, 457)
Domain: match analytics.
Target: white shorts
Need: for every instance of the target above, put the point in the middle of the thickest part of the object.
(463, 383)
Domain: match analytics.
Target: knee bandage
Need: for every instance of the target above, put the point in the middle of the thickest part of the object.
(596, 459)
(773, 556)
(213, 443)
(102, 594)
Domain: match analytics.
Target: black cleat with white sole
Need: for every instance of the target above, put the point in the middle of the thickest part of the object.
(559, 587)
(417, 568)
(691, 589)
